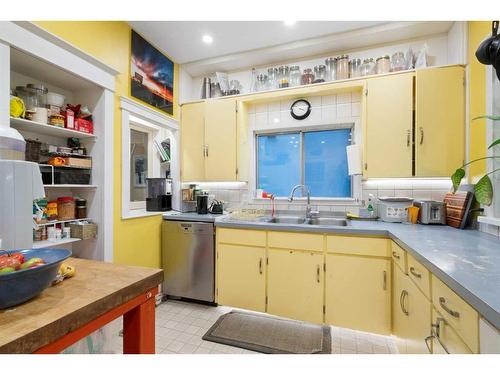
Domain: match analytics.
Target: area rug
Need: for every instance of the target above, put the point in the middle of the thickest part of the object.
(270, 335)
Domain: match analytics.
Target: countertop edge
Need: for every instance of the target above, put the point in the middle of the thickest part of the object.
(485, 310)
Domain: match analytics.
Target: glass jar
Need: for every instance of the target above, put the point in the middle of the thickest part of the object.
(40, 92)
(319, 73)
(28, 97)
(343, 67)
(331, 69)
(81, 208)
(398, 62)
(261, 82)
(383, 64)
(355, 68)
(272, 78)
(66, 208)
(295, 76)
(368, 67)
(307, 77)
(283, 76)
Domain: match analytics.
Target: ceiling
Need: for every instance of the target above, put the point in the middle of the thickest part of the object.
(181, 40)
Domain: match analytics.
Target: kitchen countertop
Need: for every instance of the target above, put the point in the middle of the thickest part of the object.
(468, 261)
(191, 216)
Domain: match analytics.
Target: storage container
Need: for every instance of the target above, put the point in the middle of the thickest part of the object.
(295, 76)
(394, 210)
(307, 77)
(343, 67)
(83, 231)
(331, 68)
(383, 64)
(66, 208)
(33, 148)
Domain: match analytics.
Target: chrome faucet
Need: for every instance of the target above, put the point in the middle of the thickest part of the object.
(305, 190)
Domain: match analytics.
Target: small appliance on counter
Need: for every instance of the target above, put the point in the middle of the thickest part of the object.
(158, 198)
(202, 204)
(431, 212)
(216, 208)
(394, 209)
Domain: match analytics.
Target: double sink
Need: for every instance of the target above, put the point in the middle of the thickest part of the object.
(334, 221)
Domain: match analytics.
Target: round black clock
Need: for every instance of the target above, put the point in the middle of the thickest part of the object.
(300, 109)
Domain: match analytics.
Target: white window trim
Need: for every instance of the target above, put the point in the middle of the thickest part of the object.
(136, 115)
(489, 217)
(356, 180)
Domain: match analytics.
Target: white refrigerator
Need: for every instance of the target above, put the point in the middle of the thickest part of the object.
(20, 184)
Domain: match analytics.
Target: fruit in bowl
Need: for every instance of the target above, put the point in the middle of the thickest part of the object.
(11, 262)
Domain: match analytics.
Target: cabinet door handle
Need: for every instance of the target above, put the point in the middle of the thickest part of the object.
(408, 138)
(384, 280)
(395, 255)
(318, 274)
(260, 266)
(414, 273)
(426, 340)
(207, 150)
(435, 328)
(453, 313)
(402, 298)
(421, 135)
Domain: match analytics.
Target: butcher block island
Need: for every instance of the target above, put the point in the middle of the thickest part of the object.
(65, 313)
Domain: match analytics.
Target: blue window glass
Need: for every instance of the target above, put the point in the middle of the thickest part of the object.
(278, 163)
(325, 158)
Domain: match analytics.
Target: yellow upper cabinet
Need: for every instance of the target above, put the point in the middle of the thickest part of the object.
(192, 142)
(295, 285)
(389, 121)
(440, 121)
(208, 141)
(220, 140)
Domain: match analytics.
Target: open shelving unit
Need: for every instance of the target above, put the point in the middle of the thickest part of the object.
(30, 54)
(46, 129)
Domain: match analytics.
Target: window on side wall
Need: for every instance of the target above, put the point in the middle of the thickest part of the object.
(140, 165)
(316, 159)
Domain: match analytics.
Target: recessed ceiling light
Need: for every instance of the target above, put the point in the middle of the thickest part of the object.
(207, 39)
(289, 22)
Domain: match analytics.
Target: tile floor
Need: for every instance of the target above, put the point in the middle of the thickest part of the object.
(180, 326)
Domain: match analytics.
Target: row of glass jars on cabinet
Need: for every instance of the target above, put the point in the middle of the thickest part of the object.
(335, 68)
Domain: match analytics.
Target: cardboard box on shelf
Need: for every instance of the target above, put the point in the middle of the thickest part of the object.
(84, 126)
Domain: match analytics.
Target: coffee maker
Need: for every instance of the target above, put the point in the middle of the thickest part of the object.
(159, 194)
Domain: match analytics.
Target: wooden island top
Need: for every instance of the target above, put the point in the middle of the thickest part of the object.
(97, 294)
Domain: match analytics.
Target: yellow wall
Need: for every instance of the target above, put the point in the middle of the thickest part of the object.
(136, 241)
(477, 100)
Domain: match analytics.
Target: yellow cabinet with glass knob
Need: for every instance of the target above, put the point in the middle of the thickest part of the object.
(241, 276)
(295, 284)
(192, 142)
(411, 315)
(358, 293)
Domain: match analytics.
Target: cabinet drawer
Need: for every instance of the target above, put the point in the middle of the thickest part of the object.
(420, 275)
(358, 245)
(457, 313)
(241, 236)
(296, 241)
(399, 256)
(449, 341)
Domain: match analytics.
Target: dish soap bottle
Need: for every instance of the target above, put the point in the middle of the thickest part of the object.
(371, 207)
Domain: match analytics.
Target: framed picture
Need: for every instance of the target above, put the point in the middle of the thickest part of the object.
(151, 75)
(140, 169)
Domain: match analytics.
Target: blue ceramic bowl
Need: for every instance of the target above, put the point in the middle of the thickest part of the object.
(20, 286)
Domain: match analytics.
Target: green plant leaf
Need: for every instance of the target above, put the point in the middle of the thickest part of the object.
(484, 191)
(494, 143)
(456, 178)
(489, 117)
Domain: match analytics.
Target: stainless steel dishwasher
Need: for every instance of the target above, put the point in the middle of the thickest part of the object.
(188, 259)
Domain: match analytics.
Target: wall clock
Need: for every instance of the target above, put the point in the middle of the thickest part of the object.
(300, 109)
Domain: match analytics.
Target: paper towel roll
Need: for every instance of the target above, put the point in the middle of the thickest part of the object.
(354, 160)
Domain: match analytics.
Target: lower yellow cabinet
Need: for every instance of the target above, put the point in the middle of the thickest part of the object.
(358, 293)
(411, 315)
(295, 284)
(444, 338)
(241, 276)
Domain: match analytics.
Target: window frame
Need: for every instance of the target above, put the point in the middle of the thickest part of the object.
(301, 132)
(151, 133)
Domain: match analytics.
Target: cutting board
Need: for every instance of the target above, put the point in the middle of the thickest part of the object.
(457, 206)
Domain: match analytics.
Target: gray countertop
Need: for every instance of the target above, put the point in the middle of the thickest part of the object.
(468, 261)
